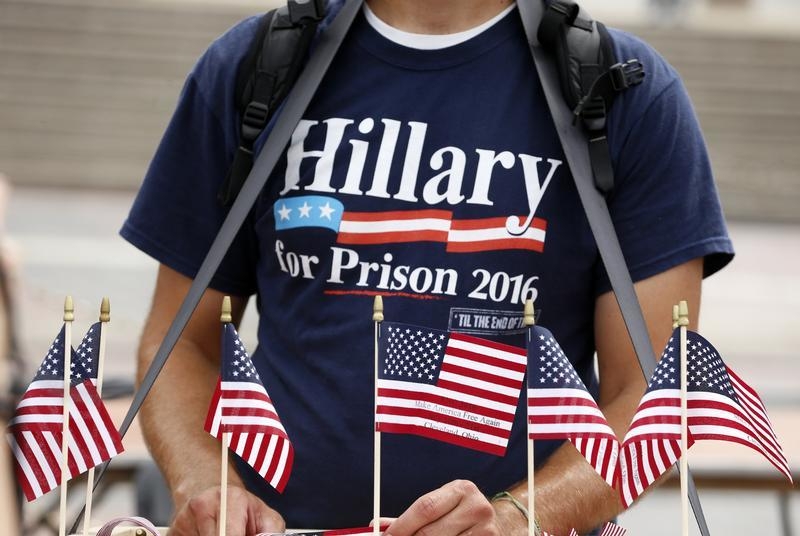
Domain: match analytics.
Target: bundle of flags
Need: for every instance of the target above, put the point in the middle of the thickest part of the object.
(35, 431)
(431, 383)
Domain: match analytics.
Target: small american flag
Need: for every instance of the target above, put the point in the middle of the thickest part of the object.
(241, 406)
(722, 406)
(719, 406)
(450, 387)
(35, 431)
(560, 406)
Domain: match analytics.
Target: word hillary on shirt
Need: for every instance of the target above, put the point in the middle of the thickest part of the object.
(446, 185)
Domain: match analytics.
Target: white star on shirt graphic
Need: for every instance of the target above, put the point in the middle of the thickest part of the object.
(326, 210)
(305, 210)
(284, 212)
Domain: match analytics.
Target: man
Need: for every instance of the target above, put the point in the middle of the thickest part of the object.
(430, 111)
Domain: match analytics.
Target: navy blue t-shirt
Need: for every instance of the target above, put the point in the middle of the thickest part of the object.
(434, 178)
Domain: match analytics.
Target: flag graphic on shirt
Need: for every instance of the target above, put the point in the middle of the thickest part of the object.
(450, 387)
(560, 406)
(241, 406)
(719, 406)
(400, 226)
(35, 431)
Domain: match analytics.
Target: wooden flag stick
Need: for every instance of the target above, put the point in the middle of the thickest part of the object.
(69, 316)
(529, 320)
(226, 317)
(683, 322)
(377, 318)
(105, 318)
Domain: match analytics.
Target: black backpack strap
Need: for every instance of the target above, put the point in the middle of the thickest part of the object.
(589, 76)
(575, 141)
(265, 76)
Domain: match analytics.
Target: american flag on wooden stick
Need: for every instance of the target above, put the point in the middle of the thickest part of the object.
(447, 386)
(560, 406)
(720, 406)
(242, 407)
(35, 431)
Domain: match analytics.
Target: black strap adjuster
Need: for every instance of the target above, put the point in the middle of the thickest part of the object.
(627, 74)
(254, 120)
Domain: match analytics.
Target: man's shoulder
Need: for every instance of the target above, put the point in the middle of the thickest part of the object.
(659, 73)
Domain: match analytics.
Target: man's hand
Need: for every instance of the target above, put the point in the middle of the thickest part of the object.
(246, 515)
(456, 508)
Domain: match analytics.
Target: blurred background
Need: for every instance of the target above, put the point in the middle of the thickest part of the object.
(87, 87)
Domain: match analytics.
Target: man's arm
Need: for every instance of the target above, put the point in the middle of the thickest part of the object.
(173, 415)
(569, 493)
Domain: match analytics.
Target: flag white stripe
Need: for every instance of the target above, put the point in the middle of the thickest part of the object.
(83, 430)
(566, 410)
(479, 349)
(460, 379)
(560, 392)
(105, 434)
(432, 390)
(47, 472)
(271, 447)
(494, 233)
(244, 386)
(389, 226)
(442, 409)
(45, 401)
(570, 428)
(472, 364)
(245, 403)
(38, 418)
(251, 420)
(278, 473)
(253, 458)
(449, 428)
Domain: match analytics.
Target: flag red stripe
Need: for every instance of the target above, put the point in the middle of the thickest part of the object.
(444, 419)
(489, 344)
(492, 245)
(480, 375)
(484, 359)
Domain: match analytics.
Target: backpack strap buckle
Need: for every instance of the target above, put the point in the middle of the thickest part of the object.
(305, 9)
(627, 74)
(254, 120)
